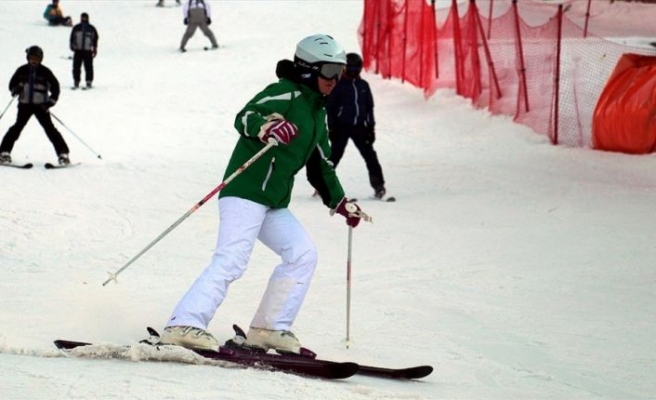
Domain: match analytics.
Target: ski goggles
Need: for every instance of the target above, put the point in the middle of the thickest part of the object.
(331, 71)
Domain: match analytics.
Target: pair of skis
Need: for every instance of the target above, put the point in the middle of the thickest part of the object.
(304, 364)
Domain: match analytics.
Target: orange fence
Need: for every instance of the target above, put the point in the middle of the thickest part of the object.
(547, 75)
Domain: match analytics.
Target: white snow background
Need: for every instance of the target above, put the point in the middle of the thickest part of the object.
(516, 268)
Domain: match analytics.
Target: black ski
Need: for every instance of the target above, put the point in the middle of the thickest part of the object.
(53, 166)
(379, 372)
(19, 166)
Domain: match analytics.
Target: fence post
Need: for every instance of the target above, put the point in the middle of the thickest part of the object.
(522, 64)
(488, 57)
(457, 45)
(489, 18)
(437, 68)
(405, 39)
(557, 81)
(587, 17)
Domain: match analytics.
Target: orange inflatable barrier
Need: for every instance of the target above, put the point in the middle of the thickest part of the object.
(624, 119)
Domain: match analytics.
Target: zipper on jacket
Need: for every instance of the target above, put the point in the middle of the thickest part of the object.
(357, 103)
(272, 166)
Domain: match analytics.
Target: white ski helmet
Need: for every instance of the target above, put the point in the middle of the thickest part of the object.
(320, 48)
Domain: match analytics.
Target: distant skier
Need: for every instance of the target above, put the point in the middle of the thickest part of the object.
(84, 44)
(350, 110)
(197, 14)
(37, 89)
(254, 206)
(55, 16)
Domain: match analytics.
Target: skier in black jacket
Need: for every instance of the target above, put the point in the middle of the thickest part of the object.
(37, 90)
(350, 109)
(84, 44)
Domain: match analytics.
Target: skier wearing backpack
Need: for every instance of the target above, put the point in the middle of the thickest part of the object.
(197, 14)
(37, 89)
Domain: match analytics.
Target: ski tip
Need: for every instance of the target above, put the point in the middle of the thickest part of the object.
(238, 331)
(421, 372)
(53, 166)
(343, 370)
(418, 372)
(69, 344)
(152, 331)
(390, 199)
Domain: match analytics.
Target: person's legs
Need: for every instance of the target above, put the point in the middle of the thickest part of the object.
(239, 226)
(88, 67)
(210, 35)
(367, 152)
(191, 29)
(12, 135)
(53, 134)
(77, 67)
(290, 280)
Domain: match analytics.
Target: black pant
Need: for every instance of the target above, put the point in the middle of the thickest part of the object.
(25, 112)
(79, 57)
(339, 139)
(54, 21)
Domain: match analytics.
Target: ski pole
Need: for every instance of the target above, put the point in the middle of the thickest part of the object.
(6, 108)
(76, 136)
(348, 285)
(353, 211)
(272, 142)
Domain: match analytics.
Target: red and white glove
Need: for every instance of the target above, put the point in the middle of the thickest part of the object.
(350, 211)
(280, 130)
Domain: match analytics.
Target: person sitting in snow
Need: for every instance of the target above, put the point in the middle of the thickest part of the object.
(55, 15)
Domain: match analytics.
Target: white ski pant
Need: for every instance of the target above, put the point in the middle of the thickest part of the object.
(242, 222)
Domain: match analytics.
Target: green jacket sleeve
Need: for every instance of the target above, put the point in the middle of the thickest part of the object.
(275, 99)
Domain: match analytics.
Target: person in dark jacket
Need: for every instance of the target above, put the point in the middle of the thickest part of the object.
(350, 109)
(37, 90)
(84, 44)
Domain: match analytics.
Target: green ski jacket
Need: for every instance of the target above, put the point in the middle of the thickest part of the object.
(270, 179)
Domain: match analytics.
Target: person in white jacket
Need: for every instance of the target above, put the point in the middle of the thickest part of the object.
(197, 14)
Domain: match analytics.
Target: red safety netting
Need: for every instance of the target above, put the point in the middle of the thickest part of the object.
(527, 60)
